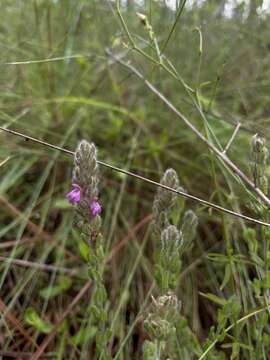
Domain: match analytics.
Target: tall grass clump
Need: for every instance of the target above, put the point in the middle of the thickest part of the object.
(105, 272)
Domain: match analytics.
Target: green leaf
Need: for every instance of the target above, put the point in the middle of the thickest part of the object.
(84, 250)
(250, 237)
(83, 335)
(53, 291)
(214, 298)
(227, 276)
(32, 318)
(257, 287)
(217, 257)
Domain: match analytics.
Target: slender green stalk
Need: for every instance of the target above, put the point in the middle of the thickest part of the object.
(239, 321)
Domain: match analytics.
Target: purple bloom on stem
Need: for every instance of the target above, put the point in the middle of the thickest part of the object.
(95, 207)
(74, 196)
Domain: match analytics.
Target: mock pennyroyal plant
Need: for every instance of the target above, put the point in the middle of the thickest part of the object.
(84, 195)
(85, 181)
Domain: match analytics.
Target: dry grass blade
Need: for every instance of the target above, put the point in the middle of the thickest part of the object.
(35, 265)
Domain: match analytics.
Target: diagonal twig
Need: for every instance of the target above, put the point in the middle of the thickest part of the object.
(220, 154)
(2, 163)
(149, 181)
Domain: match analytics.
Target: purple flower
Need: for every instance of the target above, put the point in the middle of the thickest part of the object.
(95, 207)
(74, 196)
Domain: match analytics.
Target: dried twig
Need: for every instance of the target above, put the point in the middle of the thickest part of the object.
(232, 137)
(220, 154)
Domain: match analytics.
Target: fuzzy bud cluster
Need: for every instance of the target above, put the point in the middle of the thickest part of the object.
(259, 154)
(188, 229)
(163, 316)
(85, 173)
(174, 240)
(85, 181)
(171, 240)
(165, 200)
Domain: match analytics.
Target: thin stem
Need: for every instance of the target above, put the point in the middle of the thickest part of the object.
(142, 178)
(200, 60)
(41, 61)
(239, 321)
(179, 13)
(232, 138)
(130, 38)
(158, 354)
(2, 163)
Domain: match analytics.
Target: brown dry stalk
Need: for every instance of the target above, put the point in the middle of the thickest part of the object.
(129, 236)
(37, 231)
(33, 228)
(39, 266)
(68, 310)
(12, 243)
